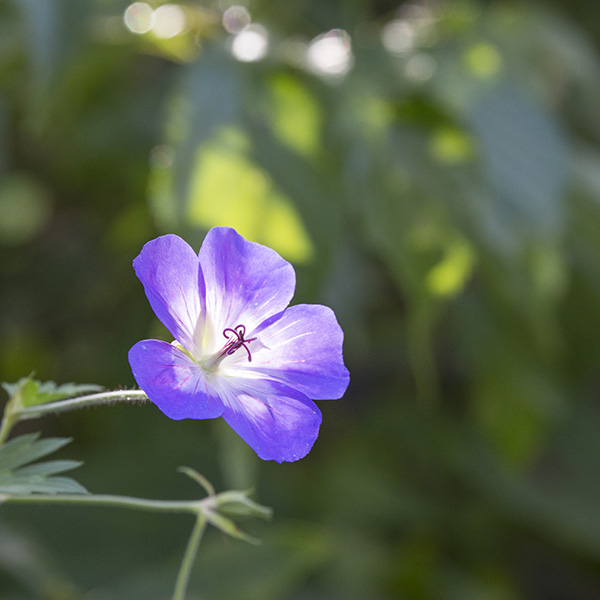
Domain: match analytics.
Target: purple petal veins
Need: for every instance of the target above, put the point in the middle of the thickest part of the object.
(238, 352)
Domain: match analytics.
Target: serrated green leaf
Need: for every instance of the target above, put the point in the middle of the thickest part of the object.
(28, 391)
(50, 392)
(15, 478)
(35, 484)
(11, 388)
(51, 467)
(35, 392)
(26, 448)
(25, 385)
(12, 450)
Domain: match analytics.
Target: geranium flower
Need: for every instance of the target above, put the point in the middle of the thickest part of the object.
(239, 352)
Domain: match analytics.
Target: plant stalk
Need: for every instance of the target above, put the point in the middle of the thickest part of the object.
(33, 412)
(189, 557)
(168, 506)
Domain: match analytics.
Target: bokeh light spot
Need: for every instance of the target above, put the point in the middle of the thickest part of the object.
(139, 17)
(421, 67)
(169, 21)
(162, 156)
(251, 44)
(236, 19)
(331, 53)
(398, 36)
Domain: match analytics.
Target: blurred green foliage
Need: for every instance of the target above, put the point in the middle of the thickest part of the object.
(432, 171)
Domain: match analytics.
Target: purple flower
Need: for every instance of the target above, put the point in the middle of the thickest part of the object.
(239, 352)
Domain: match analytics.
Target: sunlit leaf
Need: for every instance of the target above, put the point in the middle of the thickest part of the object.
(296, 115)
(34, 392)
(449, 276)
(210, 177)
(228, 189)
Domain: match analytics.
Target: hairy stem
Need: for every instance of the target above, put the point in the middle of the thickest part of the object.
(33, 412)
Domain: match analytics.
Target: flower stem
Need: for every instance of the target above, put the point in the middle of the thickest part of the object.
(169, 506)
(33, 412)
(189, 557)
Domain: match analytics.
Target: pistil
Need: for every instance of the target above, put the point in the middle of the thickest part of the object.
(235, 341)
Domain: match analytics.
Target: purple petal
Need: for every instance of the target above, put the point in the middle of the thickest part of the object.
(279, 423)
(170, 272)
(302, 349)
(173, 381)
(245, 281)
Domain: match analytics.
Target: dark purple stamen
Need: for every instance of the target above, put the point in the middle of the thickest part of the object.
(236, 340)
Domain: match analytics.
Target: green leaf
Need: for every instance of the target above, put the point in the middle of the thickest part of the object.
(40, 485)
(236, 503)
(230, 528)
(35, 392)
(220, 507)
(209, 87)
(26, 449)
(18, 476)
(51, 467)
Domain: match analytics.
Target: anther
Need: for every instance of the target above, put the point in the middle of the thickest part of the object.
(237, 340)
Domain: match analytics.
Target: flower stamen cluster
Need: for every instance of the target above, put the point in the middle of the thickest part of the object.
(236, 340)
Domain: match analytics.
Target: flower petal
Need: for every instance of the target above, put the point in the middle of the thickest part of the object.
(278, 422)
(170, 272)
(173, 381)
(245, 281)
(303, 349)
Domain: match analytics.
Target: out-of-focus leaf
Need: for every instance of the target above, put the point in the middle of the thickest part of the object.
(206, 100)
(573, 57)
(17, 476)
(526, 162)
(211, 178)
(296, 114)
(516, 409)
(25, 208)
(489, 583)
(309, 189)
(43, 23)
(52, 34)
(560, 501)
(450, 275)
(23, 560)
(228, 189)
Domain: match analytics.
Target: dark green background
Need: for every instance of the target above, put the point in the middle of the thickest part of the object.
(444, 200)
